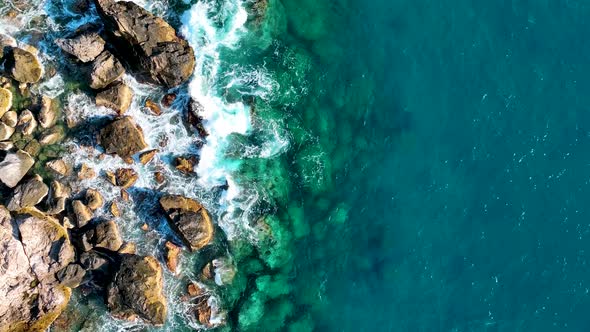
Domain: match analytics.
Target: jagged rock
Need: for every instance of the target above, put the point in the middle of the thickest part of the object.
(5, 131)
(186, 165)
(146, 157)
(137, 290)
(57, 197)
(159, 177)
(99, 268)
(117, 96)
(14, 167)
(71, 275)
(104, 235)
(153, 107)
(48, 113)
(122, 137)
(28, 194)
(114, 208)
(10, 118)
(23, 65)
(82, 212)
(195, 118)
(94, 199)
(58, 166)
(7, 145)
(86, 172)
(189, 219)
(5, 101)
(125, 195)
(106, 69)
(52, 136)
(86, 47)
(57, 206)
(128, 248)
(26, 123)
(126, 177)
(110, 177)
(171, 254)
(154, 49)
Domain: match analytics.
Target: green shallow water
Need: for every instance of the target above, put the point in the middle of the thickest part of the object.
(438, 167)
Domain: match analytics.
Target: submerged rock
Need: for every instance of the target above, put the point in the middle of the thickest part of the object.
(23, 65)
(85, 47)
(14, 167)
(5, 101)
(189, 219)
(154, 49)
(28, 194)
(137, 290)
(122, 137)
(105, 70)
(117, 96)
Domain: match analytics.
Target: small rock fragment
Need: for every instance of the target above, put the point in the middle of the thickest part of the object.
(146, 157)
(86, 172)
(153, 107)
(126, 177)
(172, 251)
(94, 199)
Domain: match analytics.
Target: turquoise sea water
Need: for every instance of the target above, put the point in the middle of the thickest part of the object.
(409, 165)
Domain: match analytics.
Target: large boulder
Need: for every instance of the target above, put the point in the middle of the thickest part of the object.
(137, 290)
(122, 137)
(189, 219)
(85, 47)
(104, 235)
(117, 96)
(5, 101)
(28, 194)
(33, 249)
(23, 65)
(14, 167)
(154, 50)
(106, 69)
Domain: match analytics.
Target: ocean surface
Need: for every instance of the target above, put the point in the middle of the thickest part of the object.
(392, 165)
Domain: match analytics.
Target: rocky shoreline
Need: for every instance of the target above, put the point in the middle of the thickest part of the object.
(53, 239)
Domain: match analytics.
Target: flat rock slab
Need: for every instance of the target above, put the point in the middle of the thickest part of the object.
(14, 167)
(85, 47)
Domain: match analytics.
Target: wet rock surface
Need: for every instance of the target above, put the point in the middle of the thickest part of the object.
(106, 69)
(117, 97)
(85, 47)
(122, 137)
(189, 219)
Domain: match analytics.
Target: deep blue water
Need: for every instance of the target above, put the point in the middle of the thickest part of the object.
(468, 172)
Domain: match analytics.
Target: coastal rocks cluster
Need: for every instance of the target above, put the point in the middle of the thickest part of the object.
(53, 230)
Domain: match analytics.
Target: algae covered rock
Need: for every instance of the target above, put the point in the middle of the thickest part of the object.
(14, 167)
(150, 45)
(122, 137)
(137, 290)
(5, 101)
(189, 219)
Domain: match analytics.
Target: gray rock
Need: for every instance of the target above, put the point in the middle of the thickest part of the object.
(71, 275)
(85, 47)
(28, 194)
(14, 167)
(104, 235)
(106, 69)
(117, 96)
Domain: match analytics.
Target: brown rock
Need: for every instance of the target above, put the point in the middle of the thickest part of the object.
(110, 176)
(5, 131)
(124, 195)
(82, 212)
(126, 177)
(172, 251)
(94, 199)
(145, 227)
(28, 194)
(122, 137)
(104, 235)
(85, 172)
(48, 113)
(208, 272)
(14, 167)
(52, 136)
(86, 47)
(106, 69)
(159, 176)
(128, 248)
(186, 165)
(115, 209)
(189, 219)
(137, 290)
(10, 118)
(117, 96)
(23, 65)
(146, 157)
(153, 107)
(168, 99)
(58, 166)
(5, 101)
(26, 123)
